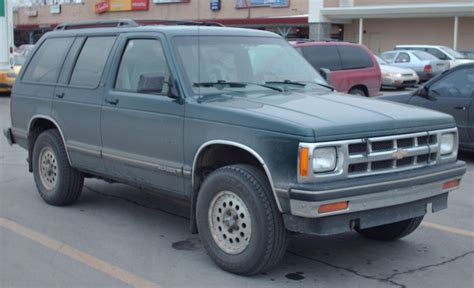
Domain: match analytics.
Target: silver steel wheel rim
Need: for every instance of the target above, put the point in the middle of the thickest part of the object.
(230, 222)
(48, 168)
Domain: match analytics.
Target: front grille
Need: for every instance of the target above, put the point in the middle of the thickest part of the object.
(407, 75)
(392, 153)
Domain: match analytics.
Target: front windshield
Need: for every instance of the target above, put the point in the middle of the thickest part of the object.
(453, 53)
(380, 60)
(250, 60)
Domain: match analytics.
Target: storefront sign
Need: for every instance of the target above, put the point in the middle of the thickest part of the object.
(215, 5)
(55, 9)
(169, 1)
(101, 7)
(250, 3)
(121, 5)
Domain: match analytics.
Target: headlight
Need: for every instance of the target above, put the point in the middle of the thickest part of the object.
(447, 143)
(324, 159)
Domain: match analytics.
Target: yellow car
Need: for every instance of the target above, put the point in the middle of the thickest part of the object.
(7, 78)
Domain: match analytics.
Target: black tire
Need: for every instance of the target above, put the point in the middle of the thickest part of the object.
(393, 231)
(69, 182)
(269, 238)
(357, 91)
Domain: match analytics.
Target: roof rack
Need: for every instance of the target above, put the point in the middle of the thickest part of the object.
(98, 23)
(130, 23)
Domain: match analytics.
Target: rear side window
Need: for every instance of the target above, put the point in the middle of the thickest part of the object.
(354, 57)
(91, 61)
(324, 56)
(47, 61)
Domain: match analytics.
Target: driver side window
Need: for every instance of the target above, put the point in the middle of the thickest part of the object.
(459, 83)
(141, 57)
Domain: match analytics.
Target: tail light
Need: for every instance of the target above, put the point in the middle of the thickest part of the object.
(428, 68)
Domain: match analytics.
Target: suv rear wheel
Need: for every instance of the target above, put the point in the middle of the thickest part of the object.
(393, 231)
(57, 182)
(238, 221)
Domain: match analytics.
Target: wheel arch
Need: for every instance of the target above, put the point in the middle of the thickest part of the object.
(197, 174)
(36, 126)
(361, 87)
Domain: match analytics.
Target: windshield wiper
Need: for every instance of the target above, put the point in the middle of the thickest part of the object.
(299, 83)
(221, 84)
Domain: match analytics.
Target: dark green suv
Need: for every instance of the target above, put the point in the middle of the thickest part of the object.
(234, 121)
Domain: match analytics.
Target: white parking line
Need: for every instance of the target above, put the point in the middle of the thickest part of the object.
(448, 229)
(87, 259)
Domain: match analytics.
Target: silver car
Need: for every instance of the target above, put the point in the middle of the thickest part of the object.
(396, 77)
(426, 65)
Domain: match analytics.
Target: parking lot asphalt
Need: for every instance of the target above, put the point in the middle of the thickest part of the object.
(119, 236)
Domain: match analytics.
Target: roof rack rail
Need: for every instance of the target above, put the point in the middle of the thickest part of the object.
(130, 23)
(98, 23)
(177, 22)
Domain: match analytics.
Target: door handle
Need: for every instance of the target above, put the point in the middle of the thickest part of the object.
(112, 101)
(60, 95)
(463, 108)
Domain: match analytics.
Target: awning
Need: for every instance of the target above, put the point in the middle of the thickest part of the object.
(400, 11)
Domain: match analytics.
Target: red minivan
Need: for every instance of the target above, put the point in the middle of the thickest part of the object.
(353, 67)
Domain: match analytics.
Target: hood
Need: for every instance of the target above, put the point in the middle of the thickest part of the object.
(331, 116)
(395, 69)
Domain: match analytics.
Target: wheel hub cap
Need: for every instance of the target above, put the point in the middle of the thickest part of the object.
(48, 168)
(230, 222)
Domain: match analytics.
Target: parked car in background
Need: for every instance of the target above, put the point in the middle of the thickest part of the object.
(426, 65)
(469, 54)
(25, 49)
(18, 61)
(451, 92)
(441, 52)
(353, 67)
(397, 77)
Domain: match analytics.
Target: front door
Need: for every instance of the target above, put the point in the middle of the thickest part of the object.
(142, 132)
(453, 95)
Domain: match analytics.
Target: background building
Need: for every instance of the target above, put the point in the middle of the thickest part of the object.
(379, 24)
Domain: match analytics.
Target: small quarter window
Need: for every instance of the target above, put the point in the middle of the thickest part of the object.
(90, 63)
(47, 61)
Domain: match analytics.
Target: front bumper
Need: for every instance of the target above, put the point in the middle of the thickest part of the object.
(399, 82)
(369, 200)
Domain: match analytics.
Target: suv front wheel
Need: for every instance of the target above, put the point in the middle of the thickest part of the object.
(57, 182)
(238, 220)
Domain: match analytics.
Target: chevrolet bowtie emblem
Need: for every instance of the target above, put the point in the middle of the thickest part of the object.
(399, 154)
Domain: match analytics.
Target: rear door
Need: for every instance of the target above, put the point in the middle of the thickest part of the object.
(142, 132)
(453, 93)
(78, 98)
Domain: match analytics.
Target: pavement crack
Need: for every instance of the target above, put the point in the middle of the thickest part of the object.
(352, 271)
(388, 279)
(133, 202)
(429, 266)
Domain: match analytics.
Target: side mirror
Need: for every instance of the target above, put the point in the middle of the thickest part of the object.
(326, 74)
(151, 83)
(173, 91)
(424, 92)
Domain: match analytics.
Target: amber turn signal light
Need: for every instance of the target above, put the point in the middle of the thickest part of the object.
(304, 161)
(451, 184)
(331, 207)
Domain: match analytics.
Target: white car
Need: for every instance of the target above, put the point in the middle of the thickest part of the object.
(397, 77)
(441, 52)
